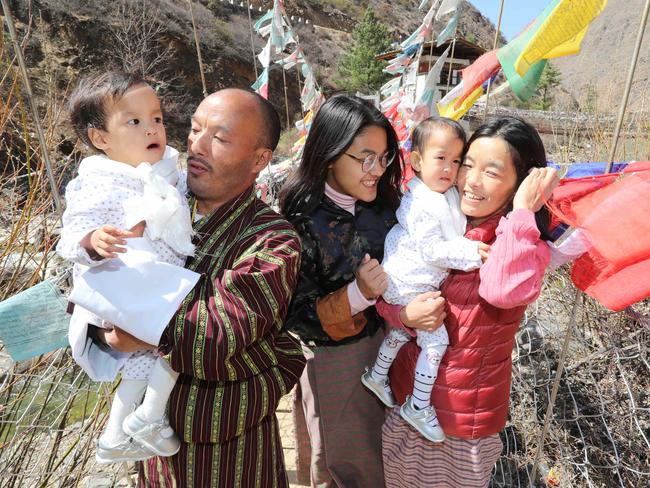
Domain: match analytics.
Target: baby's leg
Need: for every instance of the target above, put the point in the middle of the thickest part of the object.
(159, 387)
(127, 396)
(433, 346)
(391, 345)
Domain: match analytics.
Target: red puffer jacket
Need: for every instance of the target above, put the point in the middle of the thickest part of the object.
(472, 391)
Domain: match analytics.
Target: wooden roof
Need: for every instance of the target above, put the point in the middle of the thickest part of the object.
(464, 50)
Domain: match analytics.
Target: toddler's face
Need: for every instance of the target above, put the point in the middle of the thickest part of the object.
(438, 164)
(134, 127)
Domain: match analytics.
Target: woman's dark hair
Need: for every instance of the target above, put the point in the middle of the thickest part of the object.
(87, 105)
(424, 129)
(337, 123)
(526, 149)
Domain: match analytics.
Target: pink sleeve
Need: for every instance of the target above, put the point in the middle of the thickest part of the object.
(358, 303)
(390, 313)
(512, 275)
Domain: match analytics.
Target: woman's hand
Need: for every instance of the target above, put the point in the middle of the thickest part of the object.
(536, 189)
(424, 312)
(372, 280)
(122, 341)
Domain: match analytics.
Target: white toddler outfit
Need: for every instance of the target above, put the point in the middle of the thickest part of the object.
(115, 193)
(419, 250)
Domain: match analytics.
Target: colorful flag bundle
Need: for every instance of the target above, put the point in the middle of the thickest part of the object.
(612, 212)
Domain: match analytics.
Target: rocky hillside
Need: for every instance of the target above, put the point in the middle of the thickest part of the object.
(68, 38)
(596, 77)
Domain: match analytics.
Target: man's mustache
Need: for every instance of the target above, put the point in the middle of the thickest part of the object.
(198, 160)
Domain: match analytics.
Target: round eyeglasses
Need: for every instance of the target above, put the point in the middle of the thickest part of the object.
(369, 162)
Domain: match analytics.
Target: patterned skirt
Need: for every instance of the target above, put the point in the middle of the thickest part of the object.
(412, 461)
(254, 459)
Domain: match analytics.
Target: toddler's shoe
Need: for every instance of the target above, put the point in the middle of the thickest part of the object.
(156, 436)
(425, 421)
(381, 389)
(127, 450)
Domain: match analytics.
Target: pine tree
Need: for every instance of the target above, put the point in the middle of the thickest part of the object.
(551, 79)
(358, 69)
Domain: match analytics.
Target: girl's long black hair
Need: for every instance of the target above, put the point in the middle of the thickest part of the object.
(337, 123)
(526, 149)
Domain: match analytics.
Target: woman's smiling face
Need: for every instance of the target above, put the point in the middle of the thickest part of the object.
(486, 179)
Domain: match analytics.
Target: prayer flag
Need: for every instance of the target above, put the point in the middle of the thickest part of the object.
(612, 212)
(563, 27)
(478, 73)
(266, 17)
(451, 111)
(265, 55)
(446, 7)
(425, 105)
(448, 31)
(261, 85)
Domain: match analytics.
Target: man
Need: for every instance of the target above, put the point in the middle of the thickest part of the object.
(225, 340)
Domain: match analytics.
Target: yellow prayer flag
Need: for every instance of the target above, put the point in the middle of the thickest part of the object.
(560, 33)
(450, 112)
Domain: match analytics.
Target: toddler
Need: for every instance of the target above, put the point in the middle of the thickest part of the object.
(133, 180)
(419, 250)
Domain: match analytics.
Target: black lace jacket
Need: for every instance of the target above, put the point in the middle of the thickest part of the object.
(333, 244)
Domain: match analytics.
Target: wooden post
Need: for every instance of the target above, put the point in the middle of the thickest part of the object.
(250, 28)
(198, 50)
(56, 197)
(451, 59)
(628, 84)
(286, 98)
(496, 40)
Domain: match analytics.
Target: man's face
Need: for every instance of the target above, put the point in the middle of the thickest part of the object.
(223, 157)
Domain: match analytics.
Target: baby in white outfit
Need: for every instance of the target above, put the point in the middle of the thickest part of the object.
(419, 251)
(134, 180)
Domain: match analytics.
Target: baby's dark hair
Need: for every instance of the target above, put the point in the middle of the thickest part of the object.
(425, 128)
(87, 104)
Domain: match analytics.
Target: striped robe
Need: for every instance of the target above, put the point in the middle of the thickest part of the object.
(234, 362)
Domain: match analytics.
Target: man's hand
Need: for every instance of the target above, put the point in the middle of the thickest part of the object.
(424, 312)
(108, 240)
(122, 341)
(371, 278)
(484, 250)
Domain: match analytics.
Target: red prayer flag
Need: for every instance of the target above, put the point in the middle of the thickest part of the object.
(612, 210)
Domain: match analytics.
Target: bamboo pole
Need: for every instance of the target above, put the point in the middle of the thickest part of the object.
(578, 294)
(198, 50)
(286, 97)
(451, 59)
(56, 197)
(556, 383)
(494, 46)
(628, 84)
(250, 28)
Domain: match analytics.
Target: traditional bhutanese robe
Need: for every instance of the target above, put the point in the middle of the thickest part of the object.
(234, 362)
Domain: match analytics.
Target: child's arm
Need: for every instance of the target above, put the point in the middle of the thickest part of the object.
(458, 253)
(90, 206)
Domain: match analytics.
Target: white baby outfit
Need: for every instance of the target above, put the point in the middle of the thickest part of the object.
(419, 250)
(114, 193)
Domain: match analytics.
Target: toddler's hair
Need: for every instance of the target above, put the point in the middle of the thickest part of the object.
(87, 104)
(425, 128)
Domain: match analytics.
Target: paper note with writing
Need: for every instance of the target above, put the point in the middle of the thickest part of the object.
(34, 322)
(135, 291)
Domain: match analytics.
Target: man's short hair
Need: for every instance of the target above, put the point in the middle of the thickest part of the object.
(268, 138)
(87, 104)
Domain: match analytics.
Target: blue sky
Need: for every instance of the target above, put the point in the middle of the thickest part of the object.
(516, 13)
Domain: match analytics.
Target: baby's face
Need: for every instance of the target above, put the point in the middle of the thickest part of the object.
(440, 160)
(134, 127)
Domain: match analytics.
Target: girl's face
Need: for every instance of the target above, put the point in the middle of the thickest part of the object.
(486, 179)
(346, 175)
(437, 166)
